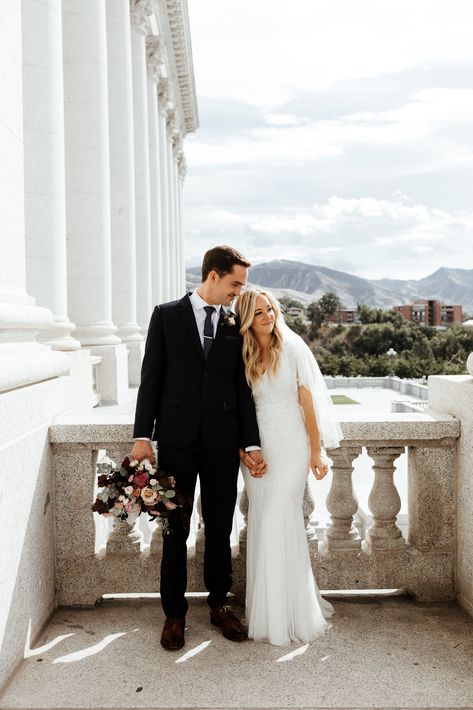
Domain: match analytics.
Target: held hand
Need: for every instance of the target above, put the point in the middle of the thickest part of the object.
(318, 466)
(258, 465)
(143, 450)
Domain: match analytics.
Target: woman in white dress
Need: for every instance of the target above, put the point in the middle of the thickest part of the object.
(294, 412)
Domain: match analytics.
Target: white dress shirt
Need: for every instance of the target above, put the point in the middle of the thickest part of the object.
(198, 304)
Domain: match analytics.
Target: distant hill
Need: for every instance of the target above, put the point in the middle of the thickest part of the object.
(307, 282)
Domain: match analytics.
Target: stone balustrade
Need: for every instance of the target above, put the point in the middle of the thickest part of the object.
(423, 564)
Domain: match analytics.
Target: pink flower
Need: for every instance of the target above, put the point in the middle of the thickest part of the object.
(141, 479)
(118, 505)
(170, 505)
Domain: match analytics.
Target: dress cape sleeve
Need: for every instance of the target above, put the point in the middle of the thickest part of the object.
(309, 376)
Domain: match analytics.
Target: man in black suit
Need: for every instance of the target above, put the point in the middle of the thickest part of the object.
(195, 402)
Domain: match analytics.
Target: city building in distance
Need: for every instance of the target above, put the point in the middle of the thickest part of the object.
(430, 312)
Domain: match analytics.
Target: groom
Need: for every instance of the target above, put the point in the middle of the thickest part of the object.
(195, 402)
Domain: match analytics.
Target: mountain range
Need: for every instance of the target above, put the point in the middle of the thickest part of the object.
(307, 282)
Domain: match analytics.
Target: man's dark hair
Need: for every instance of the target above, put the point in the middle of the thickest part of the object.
(222, 260)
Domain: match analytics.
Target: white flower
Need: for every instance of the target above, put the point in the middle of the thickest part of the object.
(134, 462)
(128, 490)
(148, 495)
(152, 481)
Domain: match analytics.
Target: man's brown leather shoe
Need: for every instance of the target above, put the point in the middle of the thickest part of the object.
(172, 638)
(230, 626)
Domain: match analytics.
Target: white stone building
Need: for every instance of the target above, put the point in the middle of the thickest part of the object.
(97, 97)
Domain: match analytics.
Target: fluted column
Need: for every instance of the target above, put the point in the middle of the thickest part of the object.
(21, 359)
(171, 117)
(89, 260)
(175, 215)
(122, 183)
(181, 170)
(155, 59)
(45, 208)
(140, 11)
(163, 97)
(341, 502)
(87, 171)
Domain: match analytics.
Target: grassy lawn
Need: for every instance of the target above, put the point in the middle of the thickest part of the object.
(342, 399)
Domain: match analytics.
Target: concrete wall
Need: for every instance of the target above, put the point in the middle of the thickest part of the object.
(454, 395)
(27, 586)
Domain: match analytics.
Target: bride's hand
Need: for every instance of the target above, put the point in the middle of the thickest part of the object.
(318, 466)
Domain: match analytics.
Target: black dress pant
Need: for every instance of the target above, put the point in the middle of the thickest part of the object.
(218, 473)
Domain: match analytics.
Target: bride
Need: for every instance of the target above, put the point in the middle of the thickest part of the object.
(295, 418)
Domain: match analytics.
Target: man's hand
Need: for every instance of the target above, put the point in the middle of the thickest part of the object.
(143, 450)
(254, 462)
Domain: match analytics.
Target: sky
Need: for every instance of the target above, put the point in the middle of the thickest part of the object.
(333, 132)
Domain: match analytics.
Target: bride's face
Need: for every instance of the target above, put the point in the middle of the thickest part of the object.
(263, 320)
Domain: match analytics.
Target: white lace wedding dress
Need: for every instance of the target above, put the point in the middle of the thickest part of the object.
(283, 602)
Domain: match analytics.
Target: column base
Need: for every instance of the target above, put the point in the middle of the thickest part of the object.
(27, 362)
(82, 381)
(112, 373)
(135, 357)
(384, 543)
(349, 543)
(58, 335)
(99, 334)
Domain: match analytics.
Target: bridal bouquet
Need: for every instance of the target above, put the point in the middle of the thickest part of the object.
(136, 487)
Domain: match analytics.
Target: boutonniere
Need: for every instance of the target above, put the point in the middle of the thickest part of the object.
(229, 318)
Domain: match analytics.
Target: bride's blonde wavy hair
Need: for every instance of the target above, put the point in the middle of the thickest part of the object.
(245, 308)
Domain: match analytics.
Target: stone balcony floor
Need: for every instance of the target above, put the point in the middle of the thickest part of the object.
(380, 652)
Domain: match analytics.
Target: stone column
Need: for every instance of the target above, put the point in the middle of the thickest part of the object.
(122, 184)
(171, 117)
(43, 125)
(175, 140)
(163, 98)
(22, 360)
(155, 59)
(177, 150)
(181, 169)
(88, 191)
(140, 11)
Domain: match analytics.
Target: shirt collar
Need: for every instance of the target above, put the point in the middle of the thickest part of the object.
(198, 302)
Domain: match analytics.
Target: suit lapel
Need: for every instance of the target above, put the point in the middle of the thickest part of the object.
(187, 314)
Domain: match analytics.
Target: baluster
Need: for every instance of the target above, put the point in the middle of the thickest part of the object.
(244, 503)
(308, 506)
(125, 539)
(200, 534)
(384, 501)
(342, 503)
(156, 542)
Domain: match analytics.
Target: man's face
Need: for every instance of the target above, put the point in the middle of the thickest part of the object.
(228, 287)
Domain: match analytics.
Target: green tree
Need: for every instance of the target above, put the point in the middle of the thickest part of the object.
(329, 304)
(315, 318)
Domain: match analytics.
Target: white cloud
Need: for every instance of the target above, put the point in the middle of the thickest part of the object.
(364, 108)
(270, 50)
(283, 119)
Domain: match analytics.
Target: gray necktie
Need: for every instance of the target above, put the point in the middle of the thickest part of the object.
(208, 329)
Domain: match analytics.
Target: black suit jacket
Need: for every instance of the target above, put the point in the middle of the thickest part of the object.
(183, 394)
